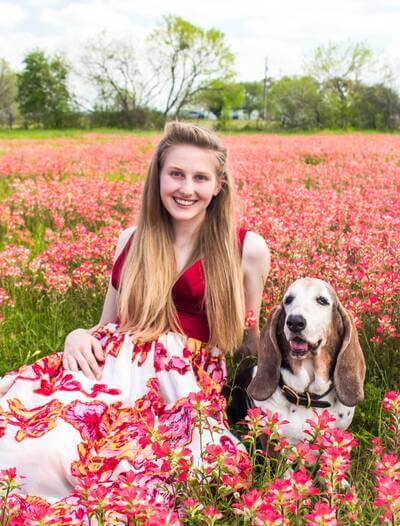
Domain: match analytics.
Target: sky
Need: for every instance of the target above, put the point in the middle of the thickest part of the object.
(286, 31)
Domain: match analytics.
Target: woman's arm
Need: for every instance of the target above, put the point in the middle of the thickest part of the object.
(109, 313)
(256, 262)
(82, 350)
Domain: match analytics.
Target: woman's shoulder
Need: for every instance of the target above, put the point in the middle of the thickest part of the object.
(256, 253)
(253, 241)
(124, 238)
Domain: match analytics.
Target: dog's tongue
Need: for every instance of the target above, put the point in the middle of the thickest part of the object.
(298, 346)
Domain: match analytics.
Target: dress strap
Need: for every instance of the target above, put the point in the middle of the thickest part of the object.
(242, 234)
(119, 262)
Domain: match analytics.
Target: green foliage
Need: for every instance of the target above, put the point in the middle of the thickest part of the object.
(302, 103)
(8, 91)
(187, 58)
(296, 102)
(186, 65)
(43, 95)
(345, 61)
(349, 101)
(253, 97)
(220, 96)
(375, 107)
(136, 118)
(314, 160)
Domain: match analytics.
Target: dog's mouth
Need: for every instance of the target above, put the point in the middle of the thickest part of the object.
(300, 347)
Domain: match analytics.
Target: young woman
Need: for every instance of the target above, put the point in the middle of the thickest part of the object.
(181, 283)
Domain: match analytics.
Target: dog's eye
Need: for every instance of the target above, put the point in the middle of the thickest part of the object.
(322, 301)
(288, 300)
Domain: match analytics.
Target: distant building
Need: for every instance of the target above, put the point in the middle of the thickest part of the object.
(198, 113)
(241, 114)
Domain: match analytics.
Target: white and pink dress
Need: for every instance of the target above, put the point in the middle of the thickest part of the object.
(60, 429)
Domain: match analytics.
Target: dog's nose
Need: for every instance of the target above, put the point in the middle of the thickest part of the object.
(296, 323)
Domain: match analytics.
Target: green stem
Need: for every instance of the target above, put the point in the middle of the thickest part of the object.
(3, 511)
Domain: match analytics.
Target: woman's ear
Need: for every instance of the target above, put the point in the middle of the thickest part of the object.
(218, 187)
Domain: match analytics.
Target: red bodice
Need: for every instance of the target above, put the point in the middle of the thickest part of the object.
(188, 293)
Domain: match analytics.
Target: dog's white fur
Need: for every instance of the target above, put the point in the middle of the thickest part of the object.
(297, 415)
(303, 298)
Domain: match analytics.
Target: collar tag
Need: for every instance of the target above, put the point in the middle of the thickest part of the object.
(305, 399)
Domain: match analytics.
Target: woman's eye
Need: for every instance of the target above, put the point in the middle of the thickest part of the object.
(288, 300)
(322, 301)
(176, 174)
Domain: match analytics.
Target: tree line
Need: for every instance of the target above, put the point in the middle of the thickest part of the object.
(183, 70)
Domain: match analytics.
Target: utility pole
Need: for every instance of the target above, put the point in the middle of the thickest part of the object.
(265, 88)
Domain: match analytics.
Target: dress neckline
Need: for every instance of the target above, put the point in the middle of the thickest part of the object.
(199, 260)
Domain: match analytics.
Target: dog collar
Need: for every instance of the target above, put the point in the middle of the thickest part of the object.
(306, 399)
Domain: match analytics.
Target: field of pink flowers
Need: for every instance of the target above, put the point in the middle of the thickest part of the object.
(328, 207)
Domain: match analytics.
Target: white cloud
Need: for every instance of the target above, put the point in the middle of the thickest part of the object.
(80, 20)
(207, 12)
(11, 15)
(15, 45)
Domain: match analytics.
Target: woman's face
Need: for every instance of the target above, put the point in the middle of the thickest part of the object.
(188, 182)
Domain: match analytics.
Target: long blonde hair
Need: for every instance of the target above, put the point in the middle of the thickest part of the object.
(145, 302)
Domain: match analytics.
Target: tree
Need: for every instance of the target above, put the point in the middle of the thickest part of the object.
(8, 91)
(43, 95)
(253, 97)
(219, 96)
(345, 61)
(375, 107)
(187, 58)
(111, 66)
(338, 67)
(296, 102)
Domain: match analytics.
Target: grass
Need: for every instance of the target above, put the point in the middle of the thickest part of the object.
(38, 133)
(232, 128)
(39, 322)
(5, 187)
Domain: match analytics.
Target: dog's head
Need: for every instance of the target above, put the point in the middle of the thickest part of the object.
(310, 321)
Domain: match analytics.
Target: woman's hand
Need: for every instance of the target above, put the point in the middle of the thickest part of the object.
(81, 352)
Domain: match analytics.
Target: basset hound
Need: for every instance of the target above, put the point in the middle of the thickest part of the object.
(310, 359)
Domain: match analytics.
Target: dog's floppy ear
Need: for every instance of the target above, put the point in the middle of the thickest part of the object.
(350, 365)
(268, 361)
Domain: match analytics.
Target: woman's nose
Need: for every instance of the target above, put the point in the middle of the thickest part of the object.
(187, 186)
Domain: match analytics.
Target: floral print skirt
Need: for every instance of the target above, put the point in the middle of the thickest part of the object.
(64, 432)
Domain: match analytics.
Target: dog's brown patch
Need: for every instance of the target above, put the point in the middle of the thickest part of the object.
(324, 361)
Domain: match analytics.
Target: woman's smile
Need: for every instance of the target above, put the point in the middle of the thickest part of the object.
(184, 202)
